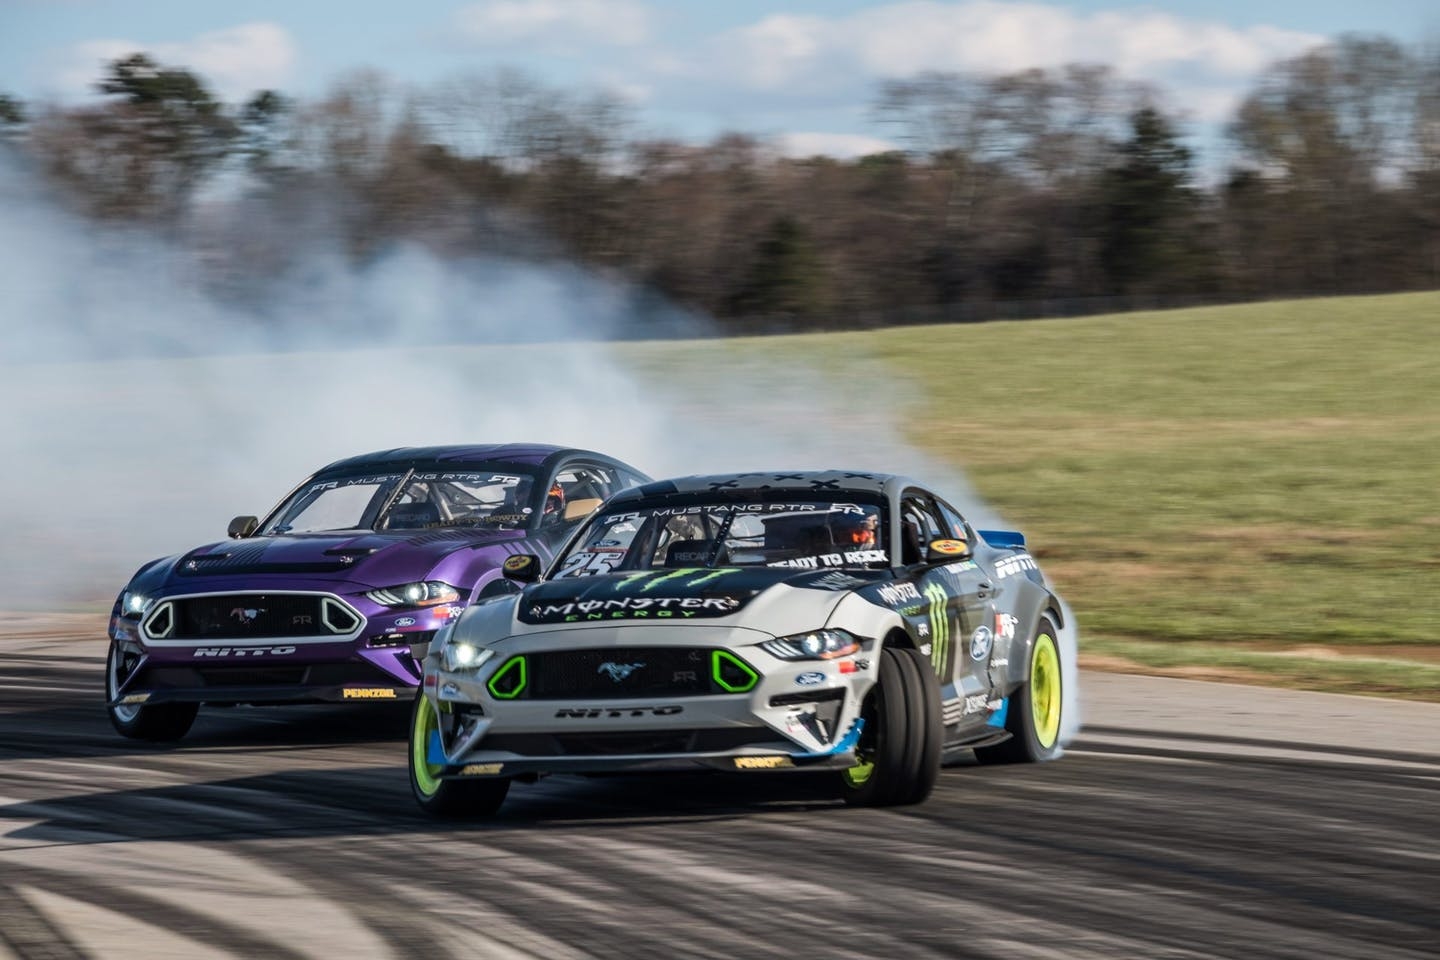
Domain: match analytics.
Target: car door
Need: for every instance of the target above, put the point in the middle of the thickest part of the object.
(956, 593)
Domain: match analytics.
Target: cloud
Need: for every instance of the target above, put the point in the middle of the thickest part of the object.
(235, 61)
(985, 36)
(555, 22)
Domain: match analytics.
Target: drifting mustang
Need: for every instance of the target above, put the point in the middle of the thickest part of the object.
(323, 599)
(750, 622)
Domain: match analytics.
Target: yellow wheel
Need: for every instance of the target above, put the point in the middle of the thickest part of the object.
(1034, 712)
(446, 798)
(1045, 691)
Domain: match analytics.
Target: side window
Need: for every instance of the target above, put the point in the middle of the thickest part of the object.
(919, 524)
(955, 524)
(577, 490)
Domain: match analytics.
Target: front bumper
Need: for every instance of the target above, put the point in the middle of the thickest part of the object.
(798, 715)
(774, 756)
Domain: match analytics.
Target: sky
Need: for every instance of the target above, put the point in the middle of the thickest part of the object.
(802, 73)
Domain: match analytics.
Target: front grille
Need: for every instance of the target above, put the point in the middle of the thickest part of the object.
(251, 616)
(625, 672)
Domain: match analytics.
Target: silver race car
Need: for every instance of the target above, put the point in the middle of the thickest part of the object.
(851, 622)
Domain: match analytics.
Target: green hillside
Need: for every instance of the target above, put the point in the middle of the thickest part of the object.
(1246, 491)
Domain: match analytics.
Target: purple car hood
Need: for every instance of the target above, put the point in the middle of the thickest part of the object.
(362, 556)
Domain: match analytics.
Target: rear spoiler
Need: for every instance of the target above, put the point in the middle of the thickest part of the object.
(1004, 539)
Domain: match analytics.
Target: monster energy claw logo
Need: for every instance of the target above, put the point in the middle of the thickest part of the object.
(939, 627)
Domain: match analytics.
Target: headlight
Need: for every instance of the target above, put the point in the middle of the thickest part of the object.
(425, 593)
(133, 603)
(463, 655)
(816, 645)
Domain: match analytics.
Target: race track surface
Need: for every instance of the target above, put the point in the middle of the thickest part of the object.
(1188, 820)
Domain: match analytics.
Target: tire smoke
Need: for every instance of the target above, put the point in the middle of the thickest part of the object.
(144, 408)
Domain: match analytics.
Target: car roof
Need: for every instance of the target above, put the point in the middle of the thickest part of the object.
(825, 482)
(524, 454)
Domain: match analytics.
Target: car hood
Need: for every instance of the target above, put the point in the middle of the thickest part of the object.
(671, 596)
(361, 556)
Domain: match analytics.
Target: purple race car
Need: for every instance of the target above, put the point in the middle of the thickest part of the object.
(324, 599)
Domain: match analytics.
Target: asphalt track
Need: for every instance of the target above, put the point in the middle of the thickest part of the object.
(1187, 820)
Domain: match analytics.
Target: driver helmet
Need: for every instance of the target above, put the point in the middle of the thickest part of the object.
(859, 531)
(555, 500)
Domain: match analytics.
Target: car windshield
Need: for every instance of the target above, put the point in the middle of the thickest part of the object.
(794, 534)
(415, 500)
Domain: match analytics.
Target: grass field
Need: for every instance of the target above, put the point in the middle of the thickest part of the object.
(1248, 491)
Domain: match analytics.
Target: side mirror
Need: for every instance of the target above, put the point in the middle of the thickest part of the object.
(942, 550)
(522, 568)
(242, 527)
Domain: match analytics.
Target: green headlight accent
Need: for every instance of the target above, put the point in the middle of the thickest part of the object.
(509, 681)
(730, 673)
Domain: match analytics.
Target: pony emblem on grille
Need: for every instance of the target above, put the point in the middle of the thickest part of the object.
(245, 615)
(619, 671)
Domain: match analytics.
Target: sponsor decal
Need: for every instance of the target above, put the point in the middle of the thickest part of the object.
(897, 593)
(135, 698)
(925, 648)
(975, 703)
(980, 643)
(508, 517)
(405, 622)
(849, 558)
(960, 566)
(448, 612)
(516, 563)
(810, 679)
(922, 629)
(607, 543)
(592, 713)
(693, 577)
(619, 671)
(939, 627)
(242, 651)
(1010, 566)
(356, 482)
(481, 769)
(588, 563)
(851, 666)
(1005, 626)
(999, 662)
(762, 763)
(634, 608)
(951, 547)
(368, 693)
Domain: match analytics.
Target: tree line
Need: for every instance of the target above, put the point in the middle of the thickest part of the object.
(1043, 191)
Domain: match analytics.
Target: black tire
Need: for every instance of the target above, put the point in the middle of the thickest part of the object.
(1033, 717)
(899, 749)
(446, 798)
(160, 722)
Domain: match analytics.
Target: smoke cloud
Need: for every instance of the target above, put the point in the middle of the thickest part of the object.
(142, 409)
